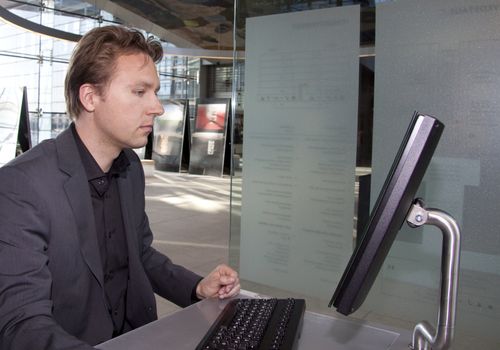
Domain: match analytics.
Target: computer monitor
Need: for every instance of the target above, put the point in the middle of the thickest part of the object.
(389, 212)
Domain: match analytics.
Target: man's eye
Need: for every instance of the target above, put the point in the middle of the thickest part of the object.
(139, 92)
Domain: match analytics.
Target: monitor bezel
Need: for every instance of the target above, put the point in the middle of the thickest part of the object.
(389, 212)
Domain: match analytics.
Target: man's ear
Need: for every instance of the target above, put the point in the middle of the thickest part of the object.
(88, 97)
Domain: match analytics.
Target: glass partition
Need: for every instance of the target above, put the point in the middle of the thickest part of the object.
(291, 229)
(299, 150)
(39, 62)
(293, 202)
(317, 87)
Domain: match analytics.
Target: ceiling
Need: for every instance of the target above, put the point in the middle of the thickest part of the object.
(208, 24)
(202, 24)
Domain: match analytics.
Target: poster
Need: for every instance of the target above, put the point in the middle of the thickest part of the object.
(208, 142)
(168, 136)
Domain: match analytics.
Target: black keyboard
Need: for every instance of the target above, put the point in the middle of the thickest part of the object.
(256, 324)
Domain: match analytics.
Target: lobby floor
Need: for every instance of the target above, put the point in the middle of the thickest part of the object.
(189, 217)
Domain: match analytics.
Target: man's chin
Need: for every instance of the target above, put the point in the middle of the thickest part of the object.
(137, 145)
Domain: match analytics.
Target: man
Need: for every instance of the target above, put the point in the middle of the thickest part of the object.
(76, 262)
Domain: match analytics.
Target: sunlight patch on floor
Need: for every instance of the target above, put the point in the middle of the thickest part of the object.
(192, 202)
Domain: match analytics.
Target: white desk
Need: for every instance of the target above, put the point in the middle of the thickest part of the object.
(184, 329)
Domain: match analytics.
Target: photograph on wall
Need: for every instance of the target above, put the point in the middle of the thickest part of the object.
(208, 141)
(168, 136)
(11, 99)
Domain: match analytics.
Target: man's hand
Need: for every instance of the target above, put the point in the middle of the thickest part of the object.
(222, 282)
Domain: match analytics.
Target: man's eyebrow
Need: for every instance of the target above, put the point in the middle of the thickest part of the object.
(146, 85)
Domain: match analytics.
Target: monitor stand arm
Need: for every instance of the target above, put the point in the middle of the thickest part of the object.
(425, 336)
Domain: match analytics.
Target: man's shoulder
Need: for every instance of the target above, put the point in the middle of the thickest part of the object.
(47, 153)
(36, 167)
(39, 155)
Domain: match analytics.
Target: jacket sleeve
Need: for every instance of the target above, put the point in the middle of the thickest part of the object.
(26, 321)
(169, 280)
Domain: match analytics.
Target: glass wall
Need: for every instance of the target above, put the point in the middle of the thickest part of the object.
(321, 98)
(39, 62)
(329, 90)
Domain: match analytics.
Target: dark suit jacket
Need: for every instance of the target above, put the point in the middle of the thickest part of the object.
(51, 277)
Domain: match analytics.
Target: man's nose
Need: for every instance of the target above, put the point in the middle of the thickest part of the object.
(158, 107)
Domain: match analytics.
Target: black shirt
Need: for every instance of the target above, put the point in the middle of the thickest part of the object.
(110, 230)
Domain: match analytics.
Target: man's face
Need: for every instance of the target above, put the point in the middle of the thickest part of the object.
(125, 112)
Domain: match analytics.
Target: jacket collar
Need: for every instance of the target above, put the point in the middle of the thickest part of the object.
(67, 153)
(77, 192)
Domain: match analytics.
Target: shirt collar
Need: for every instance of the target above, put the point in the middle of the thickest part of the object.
(92, 169)
(120, 164)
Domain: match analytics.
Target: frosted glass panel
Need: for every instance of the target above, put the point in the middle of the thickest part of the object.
(442, 58)
(301, 99)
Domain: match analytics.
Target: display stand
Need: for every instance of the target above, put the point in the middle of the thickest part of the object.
(170, 135)
(208, 141)
(425, 336)
(15, 135)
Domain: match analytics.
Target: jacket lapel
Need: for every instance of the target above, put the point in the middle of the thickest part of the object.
(124, 186)
(141, 305)
(77, 191)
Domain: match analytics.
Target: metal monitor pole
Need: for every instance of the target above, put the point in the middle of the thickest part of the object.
(425, 336)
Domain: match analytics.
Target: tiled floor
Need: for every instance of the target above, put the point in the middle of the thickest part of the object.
(189, 217)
